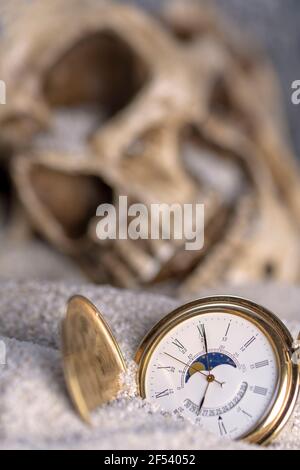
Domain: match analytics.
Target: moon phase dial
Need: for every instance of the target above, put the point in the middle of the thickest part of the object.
(214, 359)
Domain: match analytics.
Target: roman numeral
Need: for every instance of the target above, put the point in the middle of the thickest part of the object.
(200, 329)
(164, 393)
(227, 328)
(260, 390)
(180, 346)
(247, 414)
(247, 344)
(226, 332)
(203, 337)
(222, 428)
(169, 368)
(260, 364)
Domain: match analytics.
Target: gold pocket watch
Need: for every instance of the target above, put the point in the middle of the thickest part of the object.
(225, 363)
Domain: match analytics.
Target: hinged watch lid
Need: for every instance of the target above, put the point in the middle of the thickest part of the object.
(93, 362)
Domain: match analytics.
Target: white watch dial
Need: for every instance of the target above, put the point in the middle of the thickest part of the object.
(218, 370)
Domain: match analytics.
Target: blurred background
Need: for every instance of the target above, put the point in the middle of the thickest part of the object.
(175, 101)
(273, 25)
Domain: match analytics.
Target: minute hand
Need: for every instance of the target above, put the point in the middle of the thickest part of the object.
(194, 368)
(206, 348)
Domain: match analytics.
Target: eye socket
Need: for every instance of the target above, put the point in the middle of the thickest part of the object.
(71, 208)
(94, 71)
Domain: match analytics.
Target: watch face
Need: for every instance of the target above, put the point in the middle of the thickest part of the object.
(219, 370)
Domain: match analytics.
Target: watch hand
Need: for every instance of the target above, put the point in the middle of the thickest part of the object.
(205, 347)
(196, 370)
(203, 399)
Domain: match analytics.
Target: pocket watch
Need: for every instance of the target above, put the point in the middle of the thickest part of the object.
(225, 363)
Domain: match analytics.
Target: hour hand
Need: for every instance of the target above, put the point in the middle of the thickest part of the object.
(202, 400)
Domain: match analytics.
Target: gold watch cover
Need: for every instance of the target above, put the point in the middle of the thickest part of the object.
(93, 362)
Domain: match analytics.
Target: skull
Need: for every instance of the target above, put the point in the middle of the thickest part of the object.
(245, 119)
(106, 102)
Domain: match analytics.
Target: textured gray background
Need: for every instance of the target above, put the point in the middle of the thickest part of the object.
(274, 24)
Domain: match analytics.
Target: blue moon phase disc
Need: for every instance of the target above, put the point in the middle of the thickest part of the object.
(208, 361)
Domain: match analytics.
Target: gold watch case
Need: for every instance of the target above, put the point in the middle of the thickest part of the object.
(279, 336)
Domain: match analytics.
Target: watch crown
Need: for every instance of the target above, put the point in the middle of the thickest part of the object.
(296, 352)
